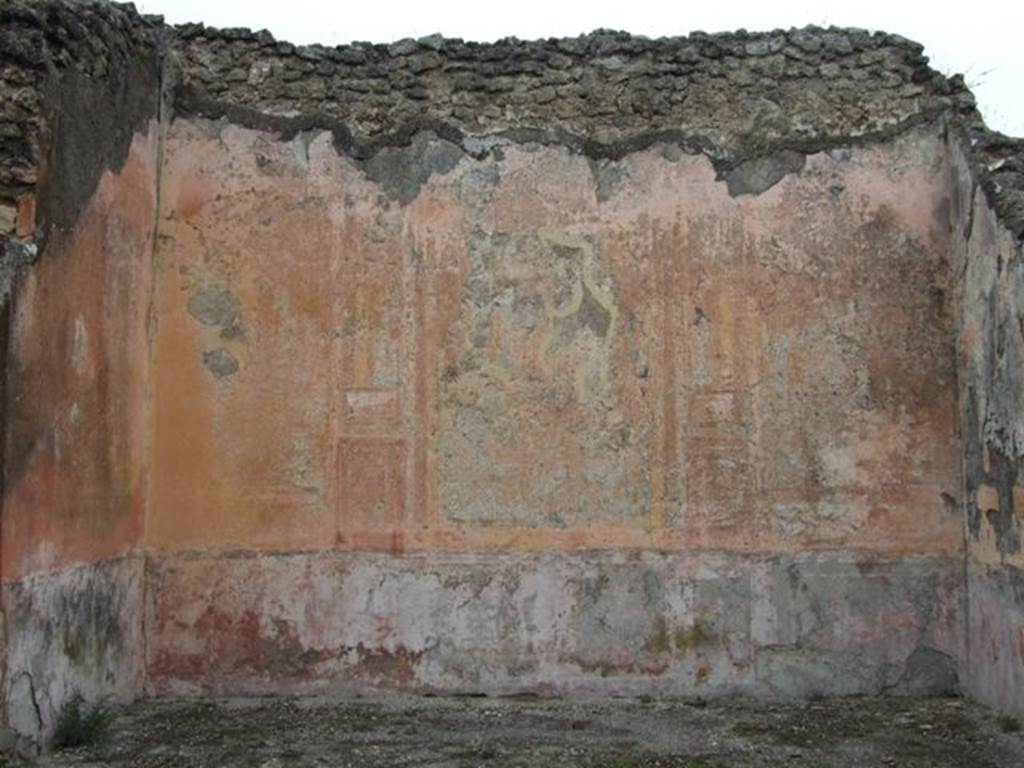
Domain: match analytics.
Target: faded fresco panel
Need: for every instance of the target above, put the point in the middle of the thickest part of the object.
(540, 423)
(529, 355)
(243, 396)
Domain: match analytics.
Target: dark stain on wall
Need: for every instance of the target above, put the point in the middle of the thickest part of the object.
(752, 177)
(211, 305)
(92, 122)
(220, 362)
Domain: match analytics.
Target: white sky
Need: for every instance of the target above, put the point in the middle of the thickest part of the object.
(983, 40)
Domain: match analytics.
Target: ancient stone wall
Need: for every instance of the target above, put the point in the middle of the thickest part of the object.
(604, 364)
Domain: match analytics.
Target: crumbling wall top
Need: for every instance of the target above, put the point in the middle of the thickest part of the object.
(734, 90)
(999, 168)
(41, 39)
(731, 96)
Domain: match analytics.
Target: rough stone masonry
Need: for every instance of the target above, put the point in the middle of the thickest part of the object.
(689, 366)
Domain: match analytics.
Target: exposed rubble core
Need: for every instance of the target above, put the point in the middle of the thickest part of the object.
(734, 94)
(681, 367)
(80, 77)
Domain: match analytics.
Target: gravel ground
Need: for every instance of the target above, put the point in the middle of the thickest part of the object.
(620, 733)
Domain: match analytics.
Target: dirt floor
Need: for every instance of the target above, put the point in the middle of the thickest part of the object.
(536, 733)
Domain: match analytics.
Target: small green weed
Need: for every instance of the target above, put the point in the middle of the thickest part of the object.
(81, 726)
(748, 729)
(1008, 724)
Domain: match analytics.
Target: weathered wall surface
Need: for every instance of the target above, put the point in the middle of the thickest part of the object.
(522, 360)
(609, 622)
(991, 349)
(74, 486)
(74, 433)
(82, 160)
(536, 350)
(72, 631)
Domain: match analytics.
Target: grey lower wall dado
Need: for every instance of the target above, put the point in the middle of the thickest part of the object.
(605, 622)
(71, 632)
(995, 673)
